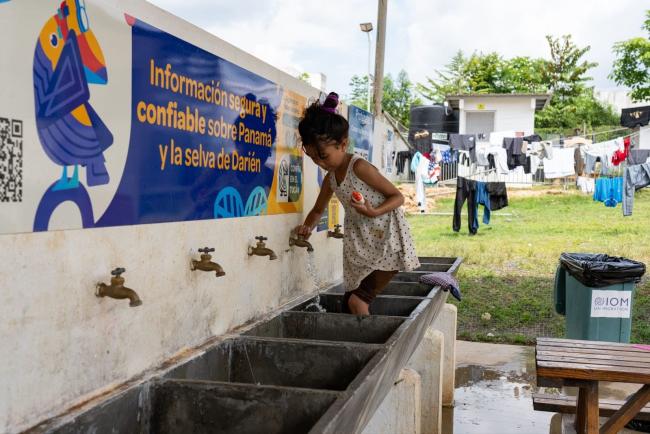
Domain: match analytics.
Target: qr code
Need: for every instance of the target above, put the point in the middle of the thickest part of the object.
(11, 160)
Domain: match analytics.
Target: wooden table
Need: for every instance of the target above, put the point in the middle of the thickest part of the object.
(565, 362)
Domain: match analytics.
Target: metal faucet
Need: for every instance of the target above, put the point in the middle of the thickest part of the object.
(205, 264)
(337, 232)
(117, 289)
(261, 250)
(300, 241)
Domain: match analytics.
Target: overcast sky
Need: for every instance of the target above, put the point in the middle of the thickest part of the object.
(422, 35)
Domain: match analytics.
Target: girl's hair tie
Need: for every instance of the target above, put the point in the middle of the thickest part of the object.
(330, 103)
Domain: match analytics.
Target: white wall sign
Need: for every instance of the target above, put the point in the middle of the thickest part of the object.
(611, 304)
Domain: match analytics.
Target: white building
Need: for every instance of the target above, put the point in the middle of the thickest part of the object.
(617, 98)
(484, 113)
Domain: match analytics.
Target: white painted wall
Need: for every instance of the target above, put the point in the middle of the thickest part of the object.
(515, 113)
(60, 344)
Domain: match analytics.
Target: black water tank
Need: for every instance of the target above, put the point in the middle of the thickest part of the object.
(436, 119)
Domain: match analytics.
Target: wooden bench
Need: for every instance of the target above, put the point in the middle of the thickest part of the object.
(583, 364)
(567, 405)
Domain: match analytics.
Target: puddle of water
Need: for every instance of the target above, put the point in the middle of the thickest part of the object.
(494, 388)
(489, 401)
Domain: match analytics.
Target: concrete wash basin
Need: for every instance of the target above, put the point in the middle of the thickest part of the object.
(436, 263)
(329, 327)
(176, 406)
(299, 372)
(279, 363)
(382, 305)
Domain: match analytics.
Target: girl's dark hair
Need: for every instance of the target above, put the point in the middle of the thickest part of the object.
(321, 125)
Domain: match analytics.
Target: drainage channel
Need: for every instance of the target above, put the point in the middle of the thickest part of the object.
(302, 371)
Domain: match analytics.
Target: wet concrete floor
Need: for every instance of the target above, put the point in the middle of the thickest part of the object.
(494, 387)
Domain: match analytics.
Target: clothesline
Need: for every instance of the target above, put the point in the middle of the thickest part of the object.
(586, 136)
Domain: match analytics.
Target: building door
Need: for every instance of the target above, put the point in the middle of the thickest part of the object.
(479, 123)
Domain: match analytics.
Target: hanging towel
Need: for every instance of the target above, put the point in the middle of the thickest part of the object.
(562, 164)
(445, 281)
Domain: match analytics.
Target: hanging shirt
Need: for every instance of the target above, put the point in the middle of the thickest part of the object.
(621, 155)
(421, 173)
(562, 164)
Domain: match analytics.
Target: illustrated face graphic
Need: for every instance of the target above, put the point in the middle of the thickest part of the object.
(72, 16)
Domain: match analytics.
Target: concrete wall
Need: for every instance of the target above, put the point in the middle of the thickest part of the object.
(400, 412)
(511, 113)
(60, 344)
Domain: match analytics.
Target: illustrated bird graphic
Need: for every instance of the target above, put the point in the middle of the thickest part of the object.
(67, 58)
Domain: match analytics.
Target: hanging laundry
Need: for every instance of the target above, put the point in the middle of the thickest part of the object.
(572, 142)
(638, 156)
(644, 137)
(561, 165)
(621, 155)
(533, 138)
(402, 159)
(514, 151)
(532, 164)
(579, 161)
(482, 198)
(465, 190)
(609, 191)
(603, 152)
(586, 185)
(498, 159)
(496, 137)
(635, 117)
(464, 142)
(634, 178)
(420, 166)
(498, 195)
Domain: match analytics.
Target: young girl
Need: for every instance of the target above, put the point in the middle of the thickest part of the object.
(377, 242)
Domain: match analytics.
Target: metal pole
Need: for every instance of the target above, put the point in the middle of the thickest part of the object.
(379, 54)
(369, 69)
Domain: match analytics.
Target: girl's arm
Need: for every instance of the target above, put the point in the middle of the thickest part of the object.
(319, 208)
(371, 176)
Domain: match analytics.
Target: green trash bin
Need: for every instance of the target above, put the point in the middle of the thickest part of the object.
(595, 293)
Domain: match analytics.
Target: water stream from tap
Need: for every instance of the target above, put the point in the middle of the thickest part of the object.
(314, 306)
(250, 367)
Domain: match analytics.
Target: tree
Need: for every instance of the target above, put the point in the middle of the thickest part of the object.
(485, 73)
(397, 99)
(573, 104)
(632, 64)
(303, 76)
(452, 80)
(525, 75)
(565, 73)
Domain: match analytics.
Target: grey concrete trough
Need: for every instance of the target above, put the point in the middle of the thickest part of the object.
(267, 361)
(329, 327)
(299, 372)
(382, 305)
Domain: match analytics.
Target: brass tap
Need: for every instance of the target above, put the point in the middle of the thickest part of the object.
(337, 232)
(117, 289)
(300, 241)
(261, 250)
(205, 264)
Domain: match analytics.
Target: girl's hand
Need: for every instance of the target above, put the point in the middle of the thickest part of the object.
(364, 208)
(303, 230)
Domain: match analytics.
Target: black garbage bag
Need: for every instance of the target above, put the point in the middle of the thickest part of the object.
(598, 270)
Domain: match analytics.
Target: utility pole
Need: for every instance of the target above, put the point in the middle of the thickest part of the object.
(379, 54)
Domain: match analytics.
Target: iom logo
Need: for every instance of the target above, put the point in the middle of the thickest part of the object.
(611, 304)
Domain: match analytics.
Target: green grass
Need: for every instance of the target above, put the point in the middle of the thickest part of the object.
(509, 266)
